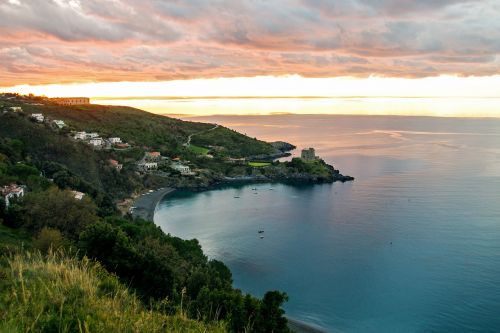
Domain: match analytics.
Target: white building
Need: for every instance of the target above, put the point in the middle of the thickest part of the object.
(81, 135)
(96, 142)
(38, 117)
(148, 166)
(12, 191)
(183, 169)
(59, 123)
(16, 109)
(92, 135)
(115, 140)
(78, 195)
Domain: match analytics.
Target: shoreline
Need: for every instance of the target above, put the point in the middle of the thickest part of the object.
(145, 208)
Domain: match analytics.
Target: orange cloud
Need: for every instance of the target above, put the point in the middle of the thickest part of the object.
(60, 41)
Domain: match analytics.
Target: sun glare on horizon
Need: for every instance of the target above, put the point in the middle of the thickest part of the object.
(431, 96)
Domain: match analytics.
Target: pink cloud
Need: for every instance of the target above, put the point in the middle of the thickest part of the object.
(111, 40)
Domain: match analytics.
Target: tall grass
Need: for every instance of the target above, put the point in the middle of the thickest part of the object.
(57, 293)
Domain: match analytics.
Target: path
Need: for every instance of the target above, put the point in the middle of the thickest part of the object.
(188, 142)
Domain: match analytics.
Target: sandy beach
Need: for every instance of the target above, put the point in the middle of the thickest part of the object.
(145, 204)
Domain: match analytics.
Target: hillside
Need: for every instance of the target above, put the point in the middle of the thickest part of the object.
(141, 128)
(64, 294)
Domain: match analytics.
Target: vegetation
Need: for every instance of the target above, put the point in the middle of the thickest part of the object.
(259, 164)
(170, 282)
(198, 150)
(231, 143)
(60, 293)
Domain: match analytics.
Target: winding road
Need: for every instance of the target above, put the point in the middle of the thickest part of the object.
(188, 142)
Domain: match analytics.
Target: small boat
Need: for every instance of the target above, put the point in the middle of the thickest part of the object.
(254, 189)
(261, 237)
(236, 197)
(261, 231)
(271, 189)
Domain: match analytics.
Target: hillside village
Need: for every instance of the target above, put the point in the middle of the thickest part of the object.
(203, 156)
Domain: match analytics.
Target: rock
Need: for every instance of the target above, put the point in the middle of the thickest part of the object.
(283, 146)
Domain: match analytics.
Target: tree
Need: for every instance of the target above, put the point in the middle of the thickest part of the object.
(60, 210)
(48, 238)
(271, 314)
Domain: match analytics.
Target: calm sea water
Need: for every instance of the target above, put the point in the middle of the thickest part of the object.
(412, 245)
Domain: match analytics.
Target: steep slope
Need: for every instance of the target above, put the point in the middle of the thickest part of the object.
(57, 293)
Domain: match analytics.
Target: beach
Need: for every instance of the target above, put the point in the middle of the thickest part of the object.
(145, 205)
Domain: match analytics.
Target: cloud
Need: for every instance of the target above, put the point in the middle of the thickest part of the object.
(56, 41)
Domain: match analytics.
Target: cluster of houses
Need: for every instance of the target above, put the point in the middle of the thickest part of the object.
(153, 160)
(40, 118)
(96, 141)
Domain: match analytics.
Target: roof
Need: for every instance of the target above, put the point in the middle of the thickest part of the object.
(153, 153)
(12, 188)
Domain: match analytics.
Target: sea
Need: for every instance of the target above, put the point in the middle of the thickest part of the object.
(411, 245)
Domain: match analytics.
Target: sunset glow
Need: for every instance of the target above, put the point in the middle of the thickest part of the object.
(314, 48)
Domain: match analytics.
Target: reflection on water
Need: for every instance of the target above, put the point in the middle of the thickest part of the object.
(412, 245)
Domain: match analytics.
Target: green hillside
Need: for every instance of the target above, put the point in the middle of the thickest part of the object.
(57, 293)
(141, 128)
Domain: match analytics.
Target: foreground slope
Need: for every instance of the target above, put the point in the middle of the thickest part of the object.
(55, 293)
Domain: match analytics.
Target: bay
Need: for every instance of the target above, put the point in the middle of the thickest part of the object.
(412, 245)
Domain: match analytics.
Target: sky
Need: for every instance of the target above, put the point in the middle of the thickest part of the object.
(253, 47)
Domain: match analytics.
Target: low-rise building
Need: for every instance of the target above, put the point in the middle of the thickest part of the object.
(81, 135)
(96, 142)
(78, 195)
(152, 156)
(115, 164)
(121, 145)
(308, 154)
(10, 192)
(38, 117)
(16, 109)
(92, 135)
(59, 123)
(115, 140)
(147, 166)
(183, 169)
(71, 100)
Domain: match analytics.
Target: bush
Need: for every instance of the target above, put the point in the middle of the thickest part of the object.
(48, 239)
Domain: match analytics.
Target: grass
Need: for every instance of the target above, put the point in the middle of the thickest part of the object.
(56, 293)
(258, 164)
(199, 150)
(13, 238)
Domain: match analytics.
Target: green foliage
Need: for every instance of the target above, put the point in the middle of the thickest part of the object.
(234, 143)
(259, 164)
(61, 294)
(198, 150)
(22, 171)
(160, 266)
(13, 238)
(57, 209)
(48, 239)
(166, 272)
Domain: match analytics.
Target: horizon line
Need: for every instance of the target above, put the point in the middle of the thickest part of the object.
(166, 97)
